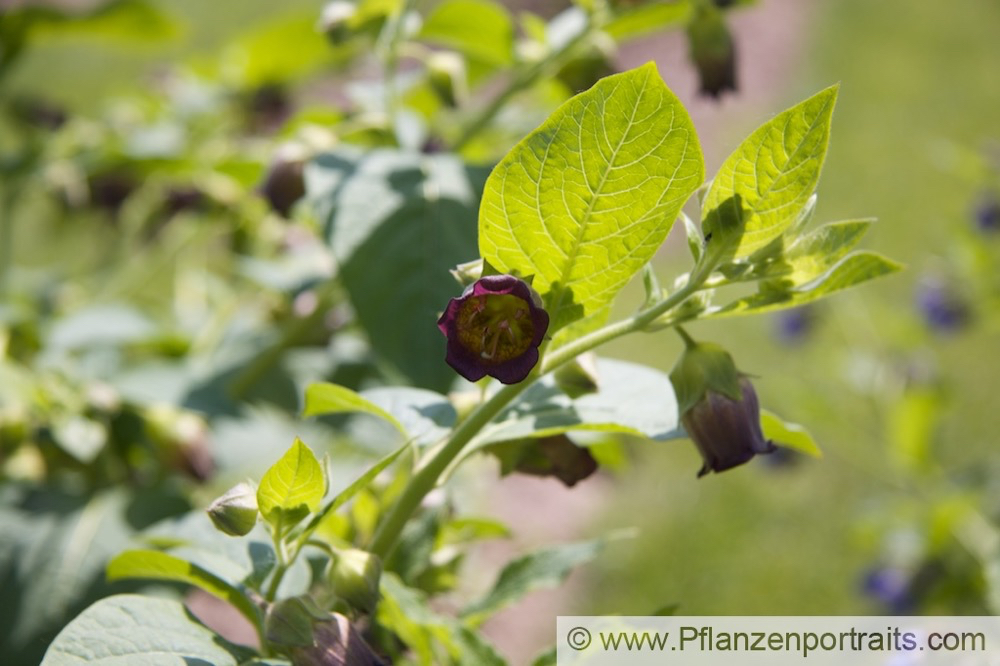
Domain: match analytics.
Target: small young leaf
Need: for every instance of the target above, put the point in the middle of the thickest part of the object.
(851, 270)
(766, 183)
(154, 565)
(322, 398)
(293, 487)
(584, 201)
(134, 629)
(788, 435)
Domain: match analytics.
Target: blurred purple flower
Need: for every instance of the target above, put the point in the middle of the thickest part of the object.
(942, 307)
(794, 325)
(987, 212)
(494, 329)
(891, 586)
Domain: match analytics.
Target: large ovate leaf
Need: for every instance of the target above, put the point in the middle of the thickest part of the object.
(133, 629)
(630, 398)
(763, 186)
(426, 415)
(585, 200)
(848, 272)
(397, 222)
(154, 565)
(293, 486)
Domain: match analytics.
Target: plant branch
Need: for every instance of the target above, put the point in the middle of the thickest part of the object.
(426, 477)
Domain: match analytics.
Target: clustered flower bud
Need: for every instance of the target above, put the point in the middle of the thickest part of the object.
(719, 408)
(494, 329)
(235, 512)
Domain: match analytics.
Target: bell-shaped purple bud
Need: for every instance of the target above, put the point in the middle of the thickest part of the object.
(712, 51)
(494, 329)
(727, 432)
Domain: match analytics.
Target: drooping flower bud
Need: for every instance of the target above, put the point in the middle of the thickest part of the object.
(235, 512)
(712, 51)
(494, 329)
(718, 407)
(335, 643)
(284, 182)
(355, 576)
(447, 77)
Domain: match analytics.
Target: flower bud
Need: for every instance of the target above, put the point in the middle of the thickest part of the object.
(578, 377)
(335, 643)
(355, 576)
(712, 51)
(335, 20)
(284, 182)
(494, 329)
(718, 407)
(446, 75)
(727, 432)
(235, 512)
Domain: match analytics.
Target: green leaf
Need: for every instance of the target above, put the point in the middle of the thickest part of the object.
(397, 222)
(133, 629)
(630, 398)
(358, 484)
(322, 398)
(426, 415)
(293, 487)
(132, 20)
(848, 272)
(544, 568)
(789, 435)
(154, 565)
(433, 638)
(479, 29)
(813, 254)
(763, 186)
(632, 22)
(282, 49)
(53, 550)
(584, 201)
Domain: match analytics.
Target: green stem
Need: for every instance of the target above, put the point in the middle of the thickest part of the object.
(282, 565)
(7, 196)
(427, 476)
(390, 49)
(521, 80)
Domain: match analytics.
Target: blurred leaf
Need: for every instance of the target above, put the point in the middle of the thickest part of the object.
(397, 222)
(100, 325)
(647, 17)
(788, 435)
(763, 186)
(406, 612)
(426, 415)
(586, 199)
(479, 29)
(283, 49)
(130, 628)
(133, 20)
(848, 272)
(630, 398)
(466, 529)
(80, 437)
(53, 549)
(544, 568)
(913, 423)
(292, 488)
(332, 399)
(154, 565)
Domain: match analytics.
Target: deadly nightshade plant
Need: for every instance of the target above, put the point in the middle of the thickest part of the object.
(582, 204)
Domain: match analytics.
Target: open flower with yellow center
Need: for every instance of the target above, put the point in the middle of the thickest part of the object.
(494, 329)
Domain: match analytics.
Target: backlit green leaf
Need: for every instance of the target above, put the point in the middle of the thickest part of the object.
(851, 270)
(587, 198)
(763, 186)
(292, 487)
